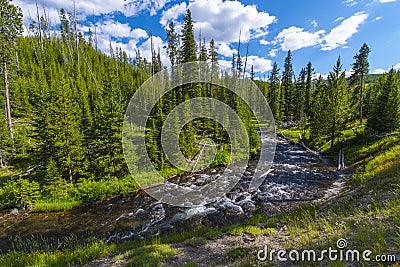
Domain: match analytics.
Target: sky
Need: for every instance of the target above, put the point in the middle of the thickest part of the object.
(314, 30)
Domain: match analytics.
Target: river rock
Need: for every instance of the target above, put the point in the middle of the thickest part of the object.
(247, 205)
(14, 211)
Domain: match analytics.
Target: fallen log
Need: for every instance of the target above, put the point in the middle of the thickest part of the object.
(301, 144)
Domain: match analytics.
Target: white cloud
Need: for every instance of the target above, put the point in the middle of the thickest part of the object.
(397, 66)
(381, 71)
(386, 1)
(173, 13)
(225, 50)
(223, 20)
(225, 65)
(119, 30)
(340, 34)
(259, 64)
(264, 42)
(314, 23)
(295, 38)
(377, 18)
(378, 71)
(97, 7)
(273, 53)
(317, 75)
(350, 2)
(339, 19)
(158, 44)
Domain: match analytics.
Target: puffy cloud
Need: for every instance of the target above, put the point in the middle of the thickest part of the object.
(378, 71)
(97, 7)
(295, 38)
(119, 30)
(259, 64)
(381, 71)
(223, 20)
(339, 35)
(225, 50)
(273, 53)
(172, 13)
(158, 44)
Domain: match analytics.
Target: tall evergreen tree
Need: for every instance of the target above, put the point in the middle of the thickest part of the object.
(385, 114)
(299, 100)
(172, 44)
(287, 86)
(188, 49)
(309, 87)
(10, 29)
(337, 101)
(360, 68)
(274, 94)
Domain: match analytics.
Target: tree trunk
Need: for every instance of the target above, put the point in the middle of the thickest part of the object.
(71, 179)
(8, 107)
(361, 98)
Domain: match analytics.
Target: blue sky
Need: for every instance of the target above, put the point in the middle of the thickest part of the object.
(316, 31)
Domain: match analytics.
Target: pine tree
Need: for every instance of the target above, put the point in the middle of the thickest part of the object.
(319, 125)
(10, 29)
(274, 94)
(385, 114)
(287, 86)
(337, 101)
(172, 44)
(188, 49)
(360, 68)
(65, 132)
(309, 87)
(299, 100)
(5, 143)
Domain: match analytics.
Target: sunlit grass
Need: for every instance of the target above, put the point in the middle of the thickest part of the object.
(59, 205)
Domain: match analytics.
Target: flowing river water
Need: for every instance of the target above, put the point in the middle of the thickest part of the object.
(297, 177)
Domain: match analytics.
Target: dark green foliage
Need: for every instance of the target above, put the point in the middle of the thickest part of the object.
(10, 28)
(385, 113)
(360, 68)
(331, 109)
(20, 193)
(275, 95)
(288, 86)
(188, 49)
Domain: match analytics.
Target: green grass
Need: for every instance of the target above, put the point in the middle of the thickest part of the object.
(59, 205)
(251, 230)
(151, 255)
(238, 253)
(196, 241)
(79, 255)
